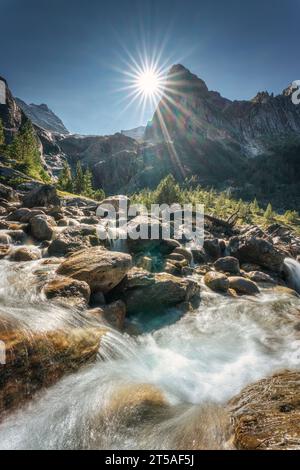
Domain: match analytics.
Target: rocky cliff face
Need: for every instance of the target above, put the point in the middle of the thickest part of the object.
(43, 117)
(188, 109)
(11, 114)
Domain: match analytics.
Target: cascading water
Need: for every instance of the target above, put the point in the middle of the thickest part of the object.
(292, 268)
(196, 363)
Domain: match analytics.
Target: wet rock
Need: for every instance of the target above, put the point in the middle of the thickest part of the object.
(101, 269)
(199, 256)
(43, 196)
(92, 220)
(4, 251)
(26, 218)
(5, 239)
(18, 214)
(114, 314)
(73, 239)
(17, 236)
(185, 253)
(25, 254)
(8, 193)
(168, 245)
(145, 262)
(115, 202)
(228, 264)
(243, 286)
(41, 227)
(258, 251)
(266, 414)
(212, 248)
(134, 403)
(216, 281)
(38, 360)
(145, 291)
(285, 291)
(69, 291)
(258, 276)
(248, 267)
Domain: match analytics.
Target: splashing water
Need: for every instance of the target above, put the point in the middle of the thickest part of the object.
(293, 269)
(197, 363)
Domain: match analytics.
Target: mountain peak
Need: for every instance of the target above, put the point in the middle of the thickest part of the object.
(180, 79)
(42, 116)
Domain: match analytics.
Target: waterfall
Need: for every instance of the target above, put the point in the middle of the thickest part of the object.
(292, 270)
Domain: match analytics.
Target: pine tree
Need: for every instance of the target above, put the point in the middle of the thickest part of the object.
(87, 189)
(25, 150)
(269, 214)
(254, 207)
(168, 191)
(79, 179)
(65, 182)
(2, 137)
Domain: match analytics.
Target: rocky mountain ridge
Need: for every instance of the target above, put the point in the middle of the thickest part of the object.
(42, 116)
(194, 134)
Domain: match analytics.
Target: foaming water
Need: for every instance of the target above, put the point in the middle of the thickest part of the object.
(293, 269)
(197, 363)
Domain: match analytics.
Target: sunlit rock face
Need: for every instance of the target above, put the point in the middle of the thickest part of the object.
(266, 414)
(43, 117)
(189, 109)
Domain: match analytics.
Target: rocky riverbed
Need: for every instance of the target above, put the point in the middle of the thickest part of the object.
(147, 344)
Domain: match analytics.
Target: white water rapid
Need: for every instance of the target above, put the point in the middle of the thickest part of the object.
(198, 361)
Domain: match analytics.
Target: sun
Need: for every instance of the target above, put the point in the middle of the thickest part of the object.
(148, 82)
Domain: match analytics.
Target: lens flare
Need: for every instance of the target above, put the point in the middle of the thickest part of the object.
(148, 82)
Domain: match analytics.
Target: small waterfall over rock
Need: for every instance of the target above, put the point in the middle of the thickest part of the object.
(292, 271)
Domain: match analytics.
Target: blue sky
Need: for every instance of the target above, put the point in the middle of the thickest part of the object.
(73, 54)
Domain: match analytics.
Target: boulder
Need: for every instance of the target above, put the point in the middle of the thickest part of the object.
(43, 196)
(228, 264)
(8, 193)
(18, 214)
(256, 250)
(41, 227)
(145, 291)
(101, 269)
(266, 414)
(73, 239)
(243, 286)
(5, 239)
(67, 290)
(212, 248)
(134, 403)
(26, 218)
(259, 276)
(4, 251)
(17, 236)
(91, 220)
(115, 202)
(185, 253)
(216, 281)
(25, 254)
(113, 314)
(38, 360)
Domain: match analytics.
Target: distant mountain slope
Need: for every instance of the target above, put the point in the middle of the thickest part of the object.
(43, 117)
(189, 110)
(137, 133)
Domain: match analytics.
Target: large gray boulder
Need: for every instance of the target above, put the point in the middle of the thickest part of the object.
(42, 227)
(43, 196)
(251, 249)
(145, 291)
(101, 269)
